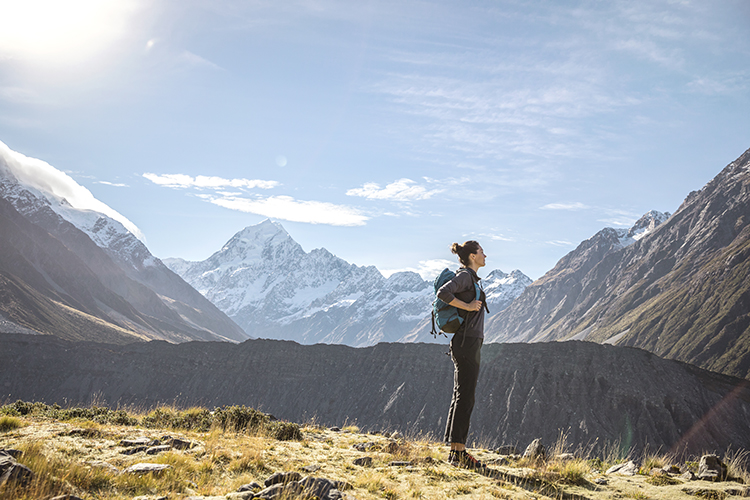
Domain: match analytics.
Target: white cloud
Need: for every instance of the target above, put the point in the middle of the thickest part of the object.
(115, 184)
(287, 208)
(427, 269)
(43, 176)
(203, 181)
(496, 237)
(560, 243)
(400, 190)
(564, 206)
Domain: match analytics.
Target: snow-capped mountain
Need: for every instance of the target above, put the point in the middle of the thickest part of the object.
(108, 245)
(271, 287)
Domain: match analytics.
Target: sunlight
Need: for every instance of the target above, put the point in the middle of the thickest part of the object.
(57, 32)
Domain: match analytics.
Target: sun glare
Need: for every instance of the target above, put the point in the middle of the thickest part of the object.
(60, 31)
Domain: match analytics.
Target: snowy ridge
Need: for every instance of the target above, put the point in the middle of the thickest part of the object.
(271, 287)
(31, 197)
(643, 226)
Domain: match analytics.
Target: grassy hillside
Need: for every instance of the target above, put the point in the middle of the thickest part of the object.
(85, 452)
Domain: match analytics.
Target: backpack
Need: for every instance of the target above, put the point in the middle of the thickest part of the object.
(445, 316)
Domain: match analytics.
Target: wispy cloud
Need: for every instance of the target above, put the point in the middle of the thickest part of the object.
(560, 243)
(235, 194)
(288, 208)
(565, 206)
(400, 190)
(202, 181)
(427, 269)
(114, 184)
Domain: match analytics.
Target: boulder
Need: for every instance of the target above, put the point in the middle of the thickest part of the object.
(535, 450)
(711, 468)
(282, 478)
(363, 461)
(10, 470)
(625, 469)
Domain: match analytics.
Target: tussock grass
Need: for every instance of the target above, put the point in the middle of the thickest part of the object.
(78, 451)
(8, 423)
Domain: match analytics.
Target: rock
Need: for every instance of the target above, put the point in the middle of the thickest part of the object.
(507, 449)
(335, 429)
(180, 444)
(141, 441)
(365, 446)
(133, 451)
(688, 476)
(625, 469)
(145, 468)
(363, 461)
(311, 468)
(601, 481)
(66, 497)
(564, 457)
(245, 495)
(283, 478)
(535, 450)
(399, 464)
(100, 464)
(318, 487)
(711, 468)
(10, 470)
(280, 490)
(154, 450)
(671, 469)
(249, 487)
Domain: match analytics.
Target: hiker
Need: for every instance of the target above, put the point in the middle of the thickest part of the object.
(465, 346)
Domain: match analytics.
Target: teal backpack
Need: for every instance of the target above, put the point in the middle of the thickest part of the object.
(446, 317)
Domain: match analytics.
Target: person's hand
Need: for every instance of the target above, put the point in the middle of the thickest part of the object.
(475, 305)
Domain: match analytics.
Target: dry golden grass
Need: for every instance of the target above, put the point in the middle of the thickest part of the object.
(83, 457)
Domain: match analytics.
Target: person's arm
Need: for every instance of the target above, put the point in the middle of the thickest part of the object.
(462, 281)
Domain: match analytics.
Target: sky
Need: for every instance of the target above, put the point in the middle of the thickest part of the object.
(382, 131)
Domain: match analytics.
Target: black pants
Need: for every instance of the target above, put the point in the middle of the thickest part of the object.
(466, 360)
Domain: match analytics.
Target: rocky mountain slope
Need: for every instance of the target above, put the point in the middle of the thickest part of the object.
(681, 291)
(597, 394)
(82, 275)
(269, 285)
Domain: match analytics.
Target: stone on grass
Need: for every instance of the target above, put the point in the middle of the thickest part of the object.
(711, 468)
(140, 441)
(688, 476)
(10, 470)
(145, 468)
(249, 487)
(310, 468)
(535, 450)
(625, 469)
(280, 490)
(282, 478)
(157, 449)
(363, 461)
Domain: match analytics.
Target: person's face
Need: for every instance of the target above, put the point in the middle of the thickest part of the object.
(479, 257)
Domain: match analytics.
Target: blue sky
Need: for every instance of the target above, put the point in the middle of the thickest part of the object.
(383, 131)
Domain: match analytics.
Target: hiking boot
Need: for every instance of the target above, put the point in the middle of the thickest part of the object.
(464, 459)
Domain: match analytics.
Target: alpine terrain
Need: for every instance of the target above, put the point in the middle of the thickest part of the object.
(82, 275)
(270, 286)
(680, 289)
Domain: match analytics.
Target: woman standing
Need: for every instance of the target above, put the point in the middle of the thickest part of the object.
(465, 346)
